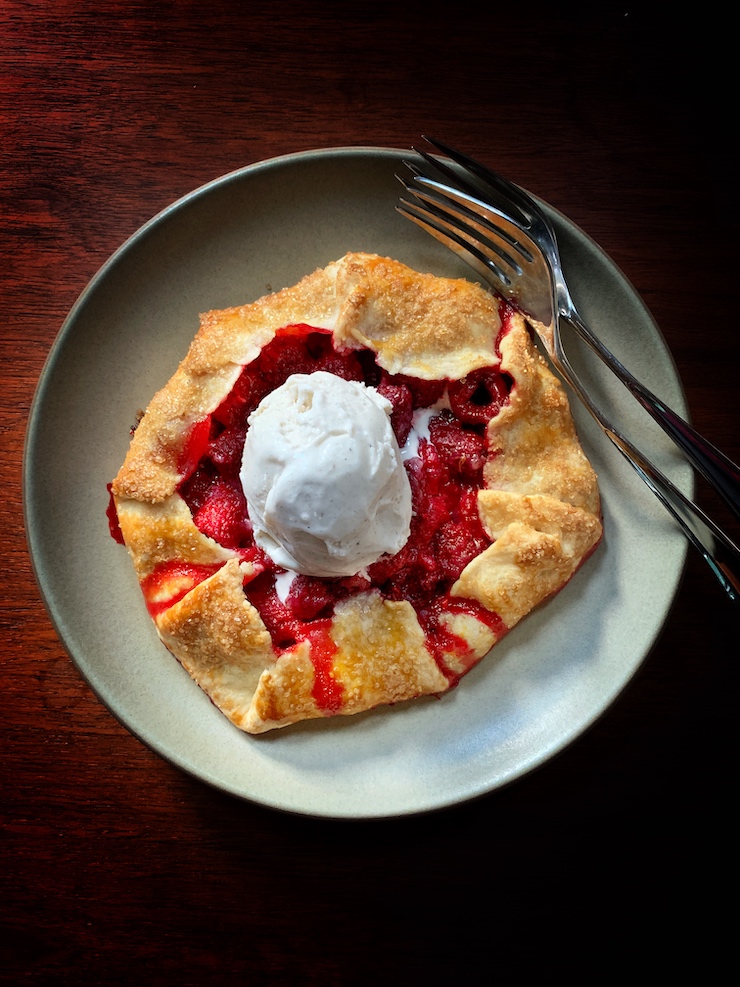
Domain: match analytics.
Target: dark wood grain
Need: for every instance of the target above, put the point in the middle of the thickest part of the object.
(117, 868)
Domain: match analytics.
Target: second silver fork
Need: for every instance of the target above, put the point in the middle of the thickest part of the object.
(522, 254)
(499, 250)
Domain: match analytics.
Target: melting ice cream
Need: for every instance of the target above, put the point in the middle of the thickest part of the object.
(323, 476)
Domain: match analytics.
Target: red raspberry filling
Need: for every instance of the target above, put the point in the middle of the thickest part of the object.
(445, 476)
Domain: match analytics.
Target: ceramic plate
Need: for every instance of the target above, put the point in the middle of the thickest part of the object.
(250, 232)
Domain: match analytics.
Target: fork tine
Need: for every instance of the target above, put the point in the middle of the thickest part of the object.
(443, 222)
(462, 181)
(455, 213)
(449, 235)
(482, 215)
(528, 210)
(488, 241)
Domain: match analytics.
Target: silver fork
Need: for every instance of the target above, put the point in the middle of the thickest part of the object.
(511, 261)
(526, 243)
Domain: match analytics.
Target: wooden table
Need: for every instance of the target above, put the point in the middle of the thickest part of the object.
(117, 867)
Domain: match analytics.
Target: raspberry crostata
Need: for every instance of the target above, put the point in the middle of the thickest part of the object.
(350, 490)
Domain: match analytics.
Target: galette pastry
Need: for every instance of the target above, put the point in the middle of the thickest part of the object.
(350, 490)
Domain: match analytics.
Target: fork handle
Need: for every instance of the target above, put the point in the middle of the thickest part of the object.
(714, 466)
(718, 550)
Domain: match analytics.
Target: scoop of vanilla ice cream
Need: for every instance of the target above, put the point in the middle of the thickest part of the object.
(322, 473)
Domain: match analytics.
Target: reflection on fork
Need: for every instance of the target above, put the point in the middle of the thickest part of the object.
(502, 233)
(515, 243)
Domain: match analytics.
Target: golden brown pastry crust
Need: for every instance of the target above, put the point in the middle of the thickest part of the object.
(540, 503)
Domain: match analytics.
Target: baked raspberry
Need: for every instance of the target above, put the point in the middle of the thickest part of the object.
(243, 398)
(310, 597)
(344, 364)
(477, 398)
(284, 627)
(424, 393)
(285, 355)
(458, 542)
(403, 408)
(223, 514)
(195, 489)
(463, 451)
(303, 350)
(225, 451)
